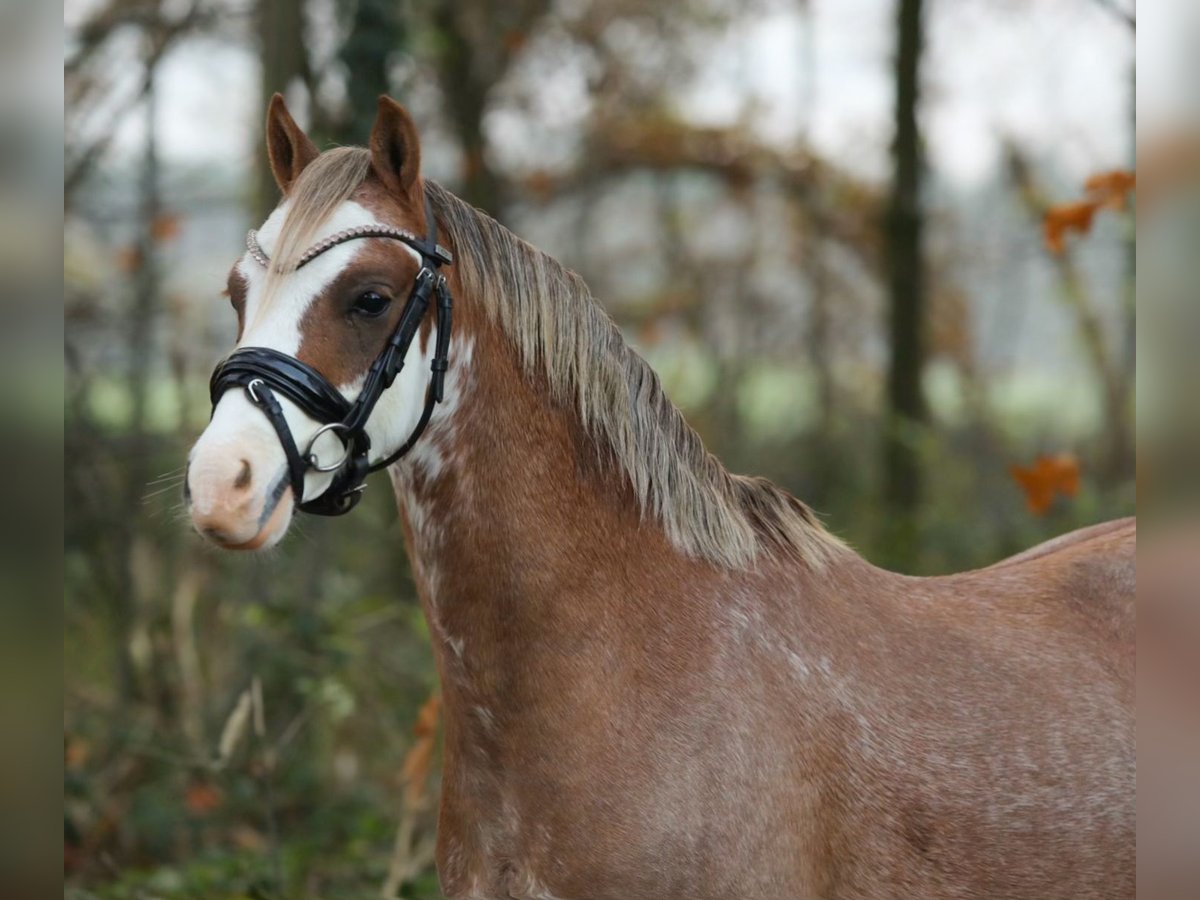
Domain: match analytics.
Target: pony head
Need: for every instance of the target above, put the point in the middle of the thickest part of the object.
(324, 282)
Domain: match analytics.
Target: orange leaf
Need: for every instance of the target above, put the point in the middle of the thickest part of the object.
(1111, 189)
(514, 40)
(201, 798)
(427, 717)
(1106, 190)
(1046, 478)
(419, 759)
(75, 752)
(164, 227)
(1067, 217)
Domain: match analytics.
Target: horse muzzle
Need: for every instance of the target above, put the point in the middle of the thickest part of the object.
(237, 488)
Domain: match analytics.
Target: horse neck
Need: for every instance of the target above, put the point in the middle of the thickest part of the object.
(523, 540)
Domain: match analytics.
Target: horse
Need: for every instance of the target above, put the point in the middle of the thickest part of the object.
(659, 679)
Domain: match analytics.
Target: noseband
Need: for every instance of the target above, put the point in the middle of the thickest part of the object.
(260, 371)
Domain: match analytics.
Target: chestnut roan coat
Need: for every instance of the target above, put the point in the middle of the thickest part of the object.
(662, 680)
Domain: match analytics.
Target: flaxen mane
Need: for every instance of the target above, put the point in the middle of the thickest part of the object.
(561, 331)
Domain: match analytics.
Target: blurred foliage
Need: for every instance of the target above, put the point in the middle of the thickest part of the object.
(327, 624)
(252, 726)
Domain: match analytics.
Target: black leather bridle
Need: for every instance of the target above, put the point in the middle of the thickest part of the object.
(261, 371)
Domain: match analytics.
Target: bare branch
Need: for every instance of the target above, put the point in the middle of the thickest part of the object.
(163, 34)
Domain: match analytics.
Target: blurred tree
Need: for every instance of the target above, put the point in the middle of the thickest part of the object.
(284, 58)
(826, 461)
(1122, 450)
(820, 345)
(1111, 359)
(904, 226)
(477, 44)
(96, 98)
(143, 312)
(377, 32)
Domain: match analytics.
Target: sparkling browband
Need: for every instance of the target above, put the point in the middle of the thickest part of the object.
(349, 234)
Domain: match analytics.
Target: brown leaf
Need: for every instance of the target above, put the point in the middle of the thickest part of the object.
(202, 798)
(652, 332)
(472, 164)
(246, 838)
(165, 227)
(1105, 190)
(419, 760)
(514, 40)
(1046, 478)
(1112, 189)
(427, 717)
(76, 752)
(129, 259)
(541, 184)
(1067, 217)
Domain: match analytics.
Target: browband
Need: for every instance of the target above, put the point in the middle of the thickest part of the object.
(435, 250)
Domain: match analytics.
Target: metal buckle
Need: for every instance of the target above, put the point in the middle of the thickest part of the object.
(311, 458)
(250, 390)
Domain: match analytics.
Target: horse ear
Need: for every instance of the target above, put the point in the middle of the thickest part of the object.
(288, 147)
(396, 149)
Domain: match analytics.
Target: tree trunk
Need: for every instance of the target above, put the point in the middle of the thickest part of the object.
(1111, 366)
(376, 33)
(281, 45)
(1121, 451)
(142, 314)
(906, 281)
(812, 252)
(466, 90)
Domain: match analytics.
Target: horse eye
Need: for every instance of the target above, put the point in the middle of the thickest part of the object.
(371, 303)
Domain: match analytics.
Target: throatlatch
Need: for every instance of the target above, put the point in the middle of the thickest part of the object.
(261, 371)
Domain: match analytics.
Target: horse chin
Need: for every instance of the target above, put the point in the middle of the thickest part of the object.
(271, 533)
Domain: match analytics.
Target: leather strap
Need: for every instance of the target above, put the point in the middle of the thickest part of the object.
(296, 380)
(437, 379)
(262, 397)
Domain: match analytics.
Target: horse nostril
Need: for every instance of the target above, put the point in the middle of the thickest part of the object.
(243, 478)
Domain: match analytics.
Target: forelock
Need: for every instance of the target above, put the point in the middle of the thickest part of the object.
(328, 182)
